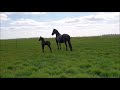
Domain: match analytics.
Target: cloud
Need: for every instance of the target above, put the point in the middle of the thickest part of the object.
(4, 17)
(24, 22)
(29, 23)
(95, 24)
(90, 25)
(98, 18)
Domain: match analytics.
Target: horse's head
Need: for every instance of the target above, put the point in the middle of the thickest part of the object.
(40, 38)
(54, 31)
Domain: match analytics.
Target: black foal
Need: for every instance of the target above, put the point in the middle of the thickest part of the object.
(43, 43)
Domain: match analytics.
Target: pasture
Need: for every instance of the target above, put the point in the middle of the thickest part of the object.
(92, 57)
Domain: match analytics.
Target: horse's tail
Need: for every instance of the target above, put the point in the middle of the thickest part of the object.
(69, 43)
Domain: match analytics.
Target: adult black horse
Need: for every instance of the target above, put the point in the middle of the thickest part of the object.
(64, 38)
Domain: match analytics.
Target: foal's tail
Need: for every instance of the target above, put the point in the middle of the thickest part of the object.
(69, 43)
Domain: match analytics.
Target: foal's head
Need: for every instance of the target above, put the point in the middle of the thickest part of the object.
(40, 38)
(54, 31)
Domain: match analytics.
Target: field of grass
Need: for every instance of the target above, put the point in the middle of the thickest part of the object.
(92, 57)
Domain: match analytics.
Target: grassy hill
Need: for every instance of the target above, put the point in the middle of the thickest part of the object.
(92, 57)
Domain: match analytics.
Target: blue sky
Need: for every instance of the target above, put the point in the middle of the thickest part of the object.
(50, 16)
(35, 24)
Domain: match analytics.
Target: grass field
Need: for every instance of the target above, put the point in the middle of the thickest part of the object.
(92, 57)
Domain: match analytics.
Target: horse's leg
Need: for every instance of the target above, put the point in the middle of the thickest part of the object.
(70, 46)
(60, 45)
(57, 44)
(66, 46)
(43, 48)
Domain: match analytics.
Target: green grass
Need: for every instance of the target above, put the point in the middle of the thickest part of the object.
(92, 57)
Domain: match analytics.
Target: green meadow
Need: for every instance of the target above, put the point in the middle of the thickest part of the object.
(92, 57)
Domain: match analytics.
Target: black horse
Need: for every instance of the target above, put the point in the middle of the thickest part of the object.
(43, 43)
(62, 39)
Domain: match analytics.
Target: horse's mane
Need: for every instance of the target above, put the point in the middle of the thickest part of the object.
(56, 31)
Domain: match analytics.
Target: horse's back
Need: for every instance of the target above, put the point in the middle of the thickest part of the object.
(63, 38)
(66, 36)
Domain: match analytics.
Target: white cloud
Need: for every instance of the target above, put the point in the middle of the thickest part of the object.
(4, 17)
(91, 25)
(98, 18)
(29, 23)
(96, 24)
(24, 22)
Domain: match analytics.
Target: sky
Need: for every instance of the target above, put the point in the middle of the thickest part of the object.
(77, 24)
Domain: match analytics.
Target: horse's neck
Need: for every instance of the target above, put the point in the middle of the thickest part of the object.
(42, 40)
(57, 34)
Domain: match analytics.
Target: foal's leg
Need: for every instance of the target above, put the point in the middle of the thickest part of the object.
(43, 48)
(66, 46)
(49, 47)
